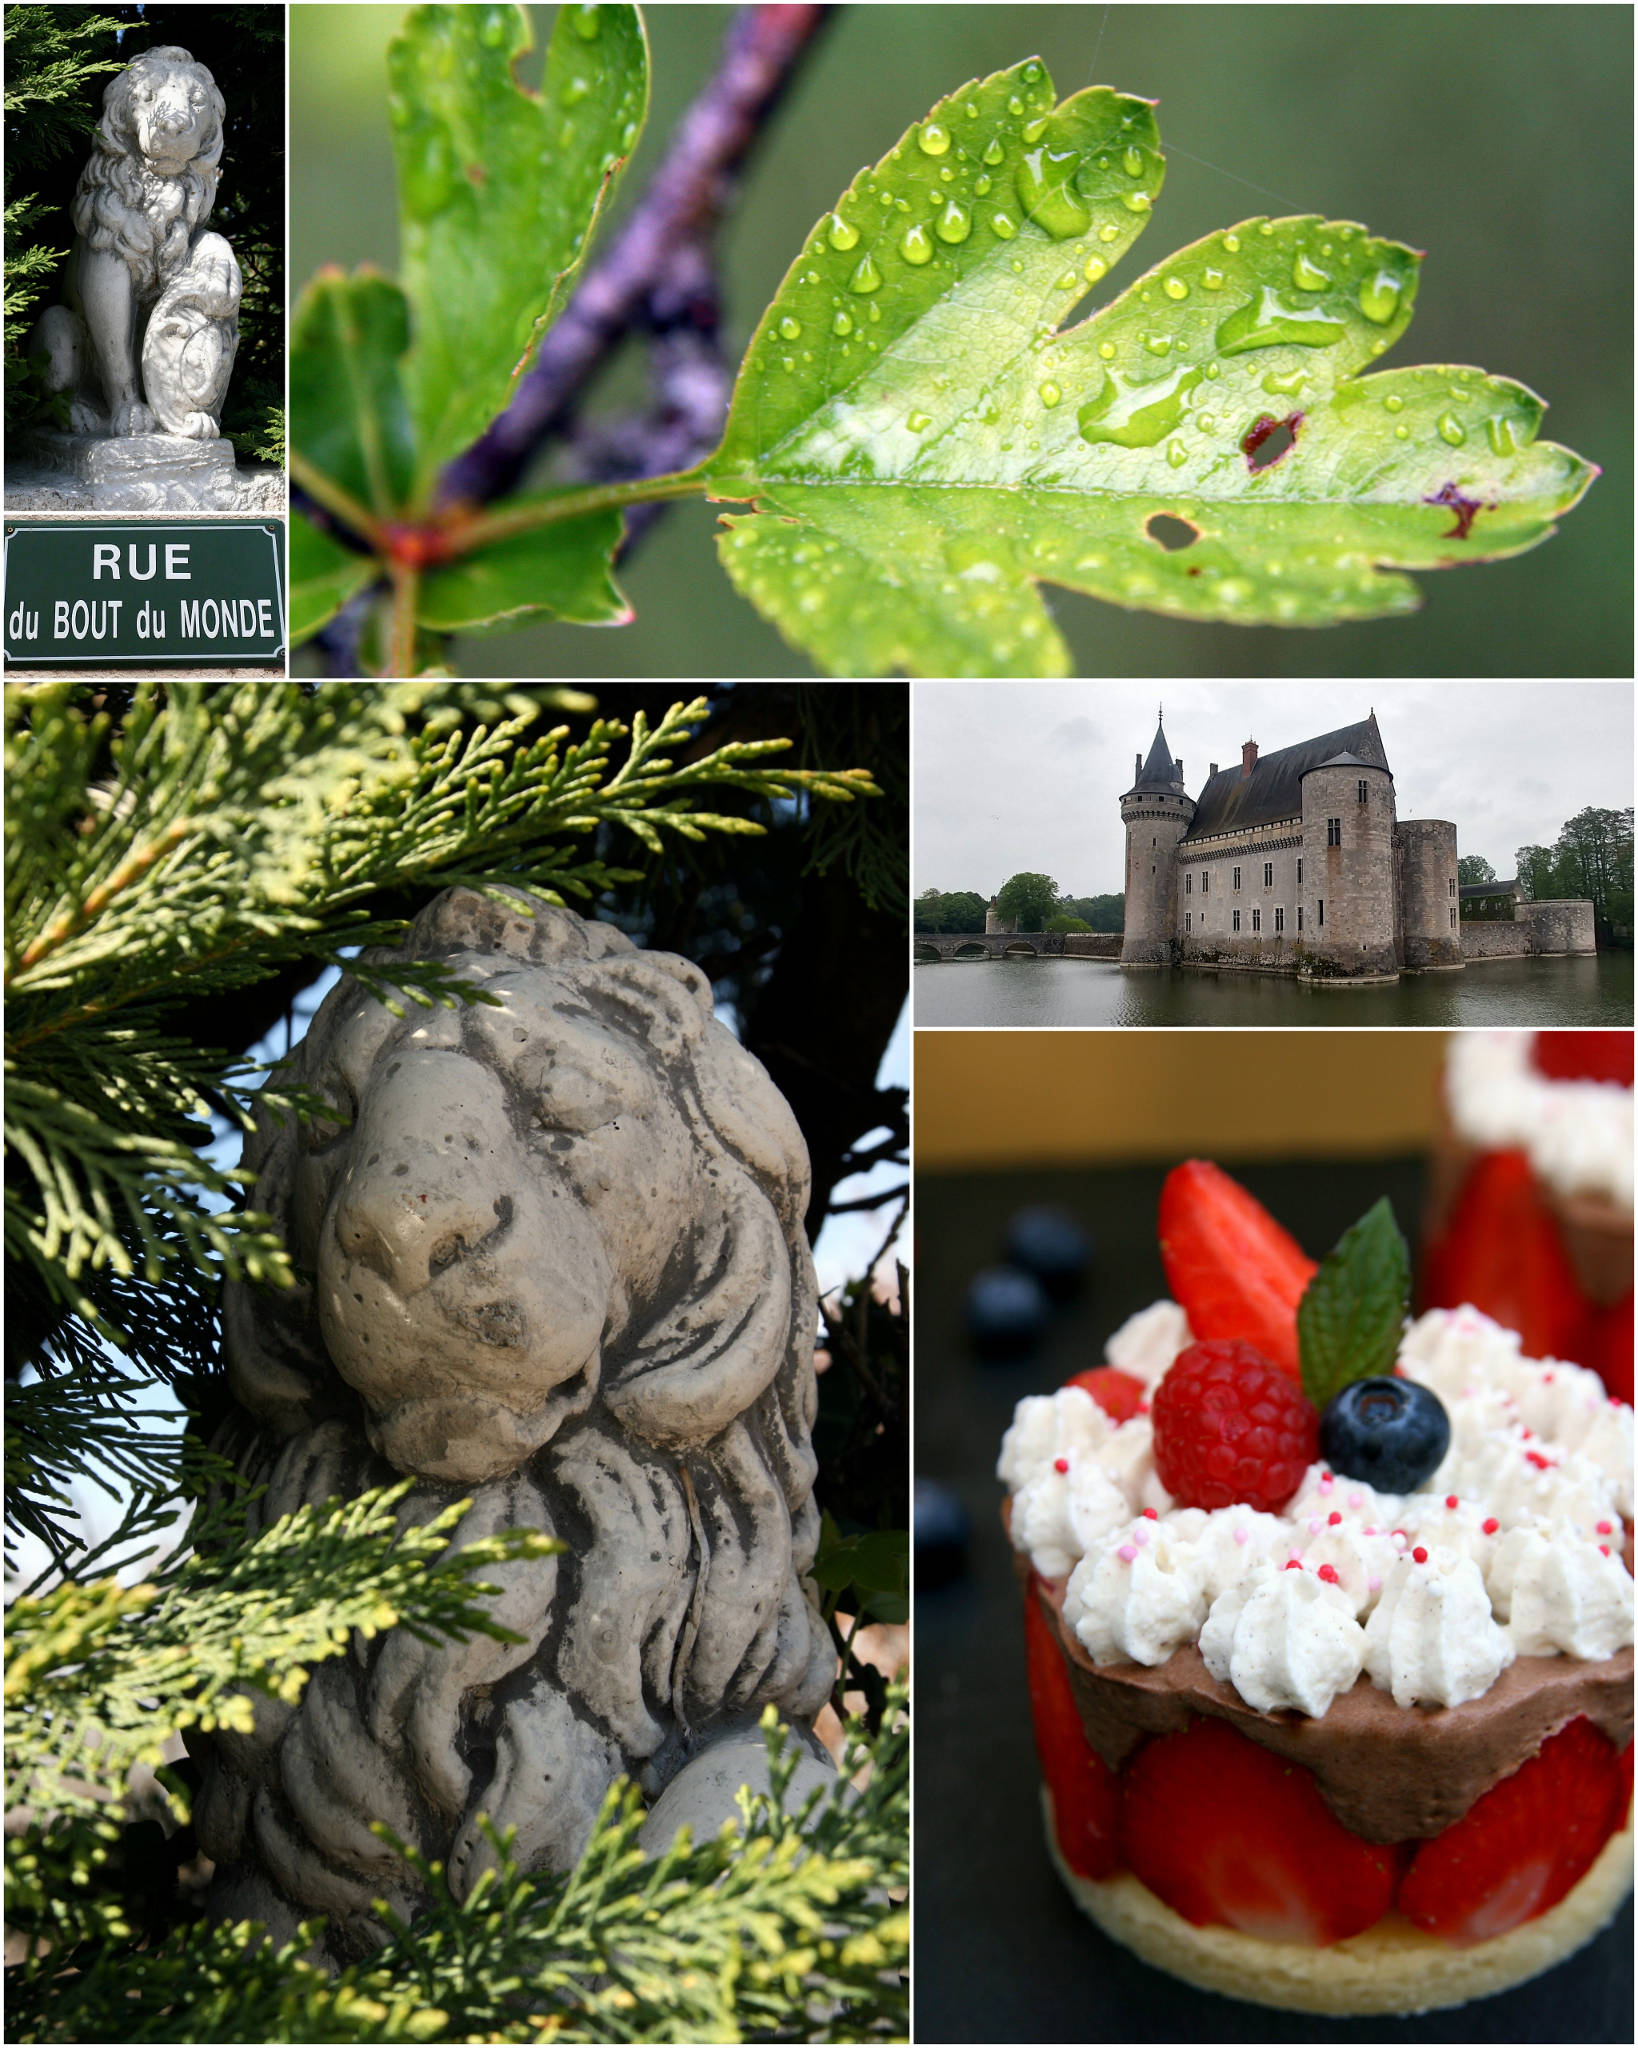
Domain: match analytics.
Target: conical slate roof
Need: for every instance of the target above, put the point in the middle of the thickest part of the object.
(1160, 770)
(1232, 800)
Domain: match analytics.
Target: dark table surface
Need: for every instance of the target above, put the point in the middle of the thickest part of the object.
(1001, 1952)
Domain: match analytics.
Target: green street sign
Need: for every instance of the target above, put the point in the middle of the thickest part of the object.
(90, 593)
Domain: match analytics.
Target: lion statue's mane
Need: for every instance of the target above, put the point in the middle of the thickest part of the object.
(614, 1346)
(119, 203)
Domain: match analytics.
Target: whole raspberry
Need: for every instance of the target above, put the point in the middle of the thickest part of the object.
(1232, 1429)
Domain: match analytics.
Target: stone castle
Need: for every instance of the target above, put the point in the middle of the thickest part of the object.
(1296, 863)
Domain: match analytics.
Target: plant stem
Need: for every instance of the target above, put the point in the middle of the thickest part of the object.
(406, 589)
(485, 528)
(338, 503)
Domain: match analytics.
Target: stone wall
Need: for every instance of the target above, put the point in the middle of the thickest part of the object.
(1565, 926)
(1092, 945)
(1155, 822)
(1269, 911)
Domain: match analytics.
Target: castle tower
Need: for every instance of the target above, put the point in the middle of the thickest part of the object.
(1348, 869)
(1156, 812)
(995, 922)
(1429, 896)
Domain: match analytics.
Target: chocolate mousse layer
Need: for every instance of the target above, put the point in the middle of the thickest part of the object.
(1388, 1773)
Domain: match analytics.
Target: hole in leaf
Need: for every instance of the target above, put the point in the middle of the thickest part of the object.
(1171, 533)
(1267, 439)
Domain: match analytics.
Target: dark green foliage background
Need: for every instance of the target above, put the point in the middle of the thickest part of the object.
(1499, 140)
(243, 49)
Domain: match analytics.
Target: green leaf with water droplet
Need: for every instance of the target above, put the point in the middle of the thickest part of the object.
(499, 190)
(323, 575)
(880, 546)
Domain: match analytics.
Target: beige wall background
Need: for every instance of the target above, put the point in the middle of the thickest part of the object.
(1021, 1098)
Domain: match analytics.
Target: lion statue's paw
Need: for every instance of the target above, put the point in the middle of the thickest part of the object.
(199, 426)
(135, 418)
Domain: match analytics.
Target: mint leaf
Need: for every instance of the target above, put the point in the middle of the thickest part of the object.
(323, 575)
(1352, 1312)
(499, 190)
(925, 442)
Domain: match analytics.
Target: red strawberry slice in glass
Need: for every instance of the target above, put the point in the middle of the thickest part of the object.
(1522, 1845)
(1230, 1266)
(1085, 1793)
(1230, 1835)
(1120, 1395)
(1502, 1252)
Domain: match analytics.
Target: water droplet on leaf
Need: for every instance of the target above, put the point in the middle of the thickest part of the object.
(1379, 297)
(1132, 415)
(1231, 243)
(587, 24)
(841, 324)
(1106, 349)
(1268, 321)
(1136, 202)
(1393, 402)
(917, 246)
(842, 234)
(1306, 276)
(1284, 383)
(1175, 288)
(1046, 191)
(1451, 429)
(955, 223)
(933, 138)
(1176, 454)
(1499, 432)
(1158, 344)
(919, 422)
(1004, 225)
(981, 186)
(1095, 268)
(1109, 234)
(791, 329)
(1050, 394)
(866, 277)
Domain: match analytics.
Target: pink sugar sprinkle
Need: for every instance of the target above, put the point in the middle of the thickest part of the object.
(1315, 1525)
(1373, 1583)
(1603, 1550)
(1451, 1501)
(1128, 1551)
(1150, 1515)
(1325, 1475)
(1327, 1483)
(1328, 1572)
(1293, 1564)
(1140, 1537)
(1332, 1519)
(1242, 1535)
(1371, 1529)
(1546, 1379)
(1606, 1528)
(1541, 1464)
(1060, 1464)
(1490, 1525)
(1356, 1500)
(1420, 1554)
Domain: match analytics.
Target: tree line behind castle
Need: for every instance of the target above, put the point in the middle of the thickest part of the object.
(1592, 858)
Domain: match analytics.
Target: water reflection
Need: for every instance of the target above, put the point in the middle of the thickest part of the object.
(1594, 990)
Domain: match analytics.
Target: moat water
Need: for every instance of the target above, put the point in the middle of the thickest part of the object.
(991, 993)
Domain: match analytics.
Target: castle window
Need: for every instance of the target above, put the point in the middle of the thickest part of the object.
(1205, 881)
(1364, 790)
(1299, 917)
(1188, 884)
(1279, 917)
(1236, 878)
(1450, 886)
(1453, 920)
(1256, 920)
(1333, 831)
(1237, 920)
(1322, 911)
(1299, 870)
(1188, 920)
(1268, 874)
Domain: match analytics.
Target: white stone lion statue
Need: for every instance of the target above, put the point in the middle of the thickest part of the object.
(145, 337)
(555, 1262)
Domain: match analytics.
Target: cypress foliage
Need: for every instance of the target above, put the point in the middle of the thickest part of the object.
(168, 846)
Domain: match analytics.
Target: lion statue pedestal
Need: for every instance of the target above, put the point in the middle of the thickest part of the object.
(557, 1266)
(143, 340)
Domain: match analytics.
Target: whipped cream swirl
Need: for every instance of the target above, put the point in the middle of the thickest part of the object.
(1577, 1134)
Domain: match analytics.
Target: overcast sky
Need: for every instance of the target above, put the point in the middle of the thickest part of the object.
(1012, 776)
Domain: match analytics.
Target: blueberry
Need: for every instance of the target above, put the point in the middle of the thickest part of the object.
(941, 1532)
(1393, 1433)
(1050, 1244)
(1007, 1312)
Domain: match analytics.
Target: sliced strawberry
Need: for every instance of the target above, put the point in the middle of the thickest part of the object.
(1231, 1267)
(1583, 1056)
(1521, 1846)
(1229, 1834)
(1119, 1394)
(1502, 1251)
(1609, 1347)
(1085, 1792)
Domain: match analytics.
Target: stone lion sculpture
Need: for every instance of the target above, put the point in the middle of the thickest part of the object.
(557, 1264)
(145, 339)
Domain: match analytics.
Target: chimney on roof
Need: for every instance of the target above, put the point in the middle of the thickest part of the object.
(1137, 767)
(1214, 767)
(1178, 765)
(1248, 758)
